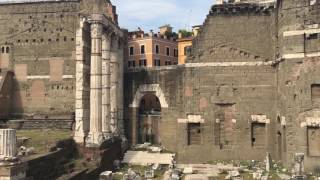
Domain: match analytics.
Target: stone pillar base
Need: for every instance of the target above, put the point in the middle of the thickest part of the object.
(94, 139)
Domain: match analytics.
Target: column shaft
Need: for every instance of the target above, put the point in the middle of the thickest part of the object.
(114, 66)
(120, 91)
(95, 135)
(8, 143)
(82, 90)
(106, 43)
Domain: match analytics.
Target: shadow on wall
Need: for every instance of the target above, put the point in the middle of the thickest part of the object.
(6, 93)
(17, 103)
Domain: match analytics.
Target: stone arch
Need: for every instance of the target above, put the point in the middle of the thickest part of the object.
(147, 88)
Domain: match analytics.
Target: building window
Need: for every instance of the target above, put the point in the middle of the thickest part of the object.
(131, 63)
(157, 49)
(175, 52)
(312, 36)
(313, 141)
(7, 49)
(142, 49)
(168, 51)
(157, 62)
(315, 94)
(186, 50)
(143, 62)
(168, 63)
(131, 51)
(194, 134)
(258, 134)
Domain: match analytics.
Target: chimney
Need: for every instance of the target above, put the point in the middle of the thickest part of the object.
(151, 33)
(165, 28)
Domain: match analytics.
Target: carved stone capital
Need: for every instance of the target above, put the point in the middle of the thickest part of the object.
(96, 30)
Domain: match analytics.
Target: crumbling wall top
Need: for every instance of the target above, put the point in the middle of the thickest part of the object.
(240, 8)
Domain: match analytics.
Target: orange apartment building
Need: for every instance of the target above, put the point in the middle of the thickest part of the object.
(152, 50)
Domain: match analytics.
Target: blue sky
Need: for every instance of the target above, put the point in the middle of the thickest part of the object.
(150, 14)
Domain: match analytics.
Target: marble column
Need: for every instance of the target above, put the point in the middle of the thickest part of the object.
(114, 70)
(106, 45)
(8, 143)
(82, 90)
(120, 90)
(95, 136)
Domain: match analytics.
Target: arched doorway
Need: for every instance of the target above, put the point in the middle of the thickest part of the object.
(149, 119)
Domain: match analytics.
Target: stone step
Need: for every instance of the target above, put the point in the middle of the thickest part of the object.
(144, 158)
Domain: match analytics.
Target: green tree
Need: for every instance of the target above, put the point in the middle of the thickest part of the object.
(185, 33)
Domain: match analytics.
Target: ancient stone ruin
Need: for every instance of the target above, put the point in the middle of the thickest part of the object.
(250, 85)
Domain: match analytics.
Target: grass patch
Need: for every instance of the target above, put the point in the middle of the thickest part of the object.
(43, 140)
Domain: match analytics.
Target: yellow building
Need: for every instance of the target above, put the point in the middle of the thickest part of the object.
(185, 44)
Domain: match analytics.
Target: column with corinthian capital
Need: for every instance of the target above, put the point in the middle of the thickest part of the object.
(95, 136)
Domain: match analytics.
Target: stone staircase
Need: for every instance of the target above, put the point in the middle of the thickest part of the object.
(144, 158)
(6, 87)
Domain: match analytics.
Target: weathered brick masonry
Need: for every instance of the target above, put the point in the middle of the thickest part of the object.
(250, 86)
(38, 43)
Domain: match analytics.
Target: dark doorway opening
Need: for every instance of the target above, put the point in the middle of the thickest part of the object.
(149, 119)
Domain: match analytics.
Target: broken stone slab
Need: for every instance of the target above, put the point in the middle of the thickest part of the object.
(299, 177)
(234, 173)
(188, 170)
(107, 175)
(226, 168)
(155, 149)
(145, 158)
